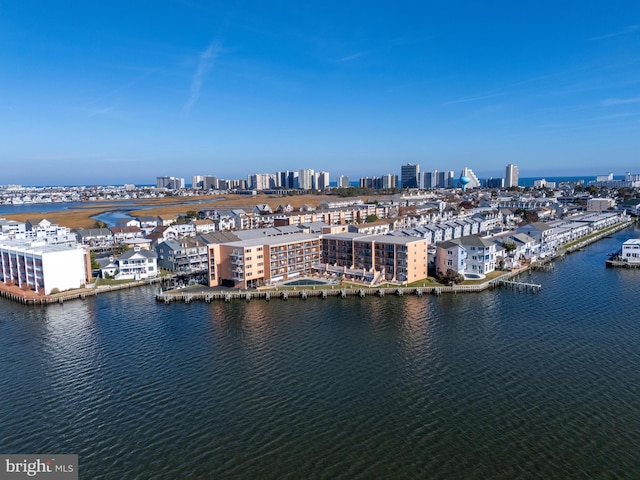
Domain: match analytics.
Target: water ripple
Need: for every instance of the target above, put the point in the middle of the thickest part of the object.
(493, 385)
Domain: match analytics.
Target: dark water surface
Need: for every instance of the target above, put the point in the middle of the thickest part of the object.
(497, 385)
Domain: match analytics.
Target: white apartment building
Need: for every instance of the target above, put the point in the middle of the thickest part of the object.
(306, 179)
(599, 204)
(631, 251)
(511, 176)
(42, 267)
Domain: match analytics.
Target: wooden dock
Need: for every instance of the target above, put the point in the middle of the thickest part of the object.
(304, 293)
(80, 293)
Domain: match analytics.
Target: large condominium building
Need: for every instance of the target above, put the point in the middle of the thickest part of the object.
(306, 179)
(436, 179)
(343, 181)
(511, 176)
(250, 263)
(322, 180)
(261, 181)
(385, 182)
(409, 176)
(172, 183)
(197, 181)
(374, 258)
(42, 267)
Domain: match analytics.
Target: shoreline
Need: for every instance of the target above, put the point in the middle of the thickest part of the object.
(209, 294)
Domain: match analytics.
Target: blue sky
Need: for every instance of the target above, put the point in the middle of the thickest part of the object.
(124, 91)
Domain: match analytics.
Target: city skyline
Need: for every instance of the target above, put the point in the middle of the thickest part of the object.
(96, 96)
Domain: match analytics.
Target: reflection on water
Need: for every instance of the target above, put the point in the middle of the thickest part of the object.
(492, 385)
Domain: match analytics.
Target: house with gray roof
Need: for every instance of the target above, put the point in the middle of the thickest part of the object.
(184, 255)
(137, 264)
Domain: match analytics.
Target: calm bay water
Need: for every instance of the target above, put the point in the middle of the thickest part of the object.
(493, 385)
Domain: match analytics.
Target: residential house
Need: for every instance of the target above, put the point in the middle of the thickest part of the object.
(166, 220)
(543, 234)
(204, 226)
(371, 228)
(184, 229)
(95, 237)
(450, 255)
(161, 233)
(137, 264)
(108, 266)
(262, 209)
(481, 254)
(184, 255)
(123, 233)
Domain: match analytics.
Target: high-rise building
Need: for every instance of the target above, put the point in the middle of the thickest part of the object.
(445, 179)
(511, 176)
(293, 180)
(171, 183)
(429, 179)
(306, 179)
(343, 181)
(261, 181)
(282, 179)
(197, 181)
(210, 183)
(409, 175)
(493, 183)
(389, 181)
(322, 180)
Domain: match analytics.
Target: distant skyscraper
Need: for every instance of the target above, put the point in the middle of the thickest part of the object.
(261, 181)
(389, 181)
(445, 179)
(210, 183)
(409, 175)
(493, 183)
(343, 181)
(306, 179)
(429, 179)
(172, 183)
(322, 180)
(197, 181)
(511, 176)
(293, 180)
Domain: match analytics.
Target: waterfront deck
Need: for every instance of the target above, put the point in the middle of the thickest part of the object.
(210, 295)
(31, 298)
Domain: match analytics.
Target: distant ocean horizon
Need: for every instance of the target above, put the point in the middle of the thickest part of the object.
(529, 181)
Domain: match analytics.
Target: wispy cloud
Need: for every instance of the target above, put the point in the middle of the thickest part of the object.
(64, 158)
(474, 99)
(619, 101)
(616, 115)
(624, 31)
(205, 63)
(354, 56)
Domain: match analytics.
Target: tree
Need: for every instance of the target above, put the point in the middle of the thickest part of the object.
(509, 247)
(451, 277)
(94, 264)
(371, 218)
(99, 224)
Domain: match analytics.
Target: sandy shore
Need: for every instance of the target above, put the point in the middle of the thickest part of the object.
(81, 216)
